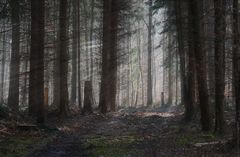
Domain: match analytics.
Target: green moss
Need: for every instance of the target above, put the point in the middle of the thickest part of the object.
(192, 138)
(184, 140)
(111, 147)
(20, 147)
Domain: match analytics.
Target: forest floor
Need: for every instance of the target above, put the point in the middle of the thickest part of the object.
(135, 133)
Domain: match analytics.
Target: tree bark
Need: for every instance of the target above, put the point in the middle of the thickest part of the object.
(88, 98)
(13, 98)
(79, 57)
(36, 81)
(220, 31)
(113, 55)
(86, 33)
(104, 89)
(91, 39)
(74, 54)
(191, 92)
(149, 78)
(3, 66)
(200, 58)
(236, 70)
(63, 56)
(170, 79)
(109, 56)
(56, 74)
(186, 90)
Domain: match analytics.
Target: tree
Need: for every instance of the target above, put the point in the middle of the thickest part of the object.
(200, 57)
(74, 53)
(103, 104)
(79, 56)
(63, 57)
(88, 98)
(236, 70)
(187, 82)
(109, 56)
(91, 38)
(36, 80)
(56, 74)
(170, 64)
(149, 79)
(3, 66)
(13, 98)
(220, 29)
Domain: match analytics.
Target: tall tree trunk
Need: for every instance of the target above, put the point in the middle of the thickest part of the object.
(149, 81)
(91, 39)
(177, 74)
(104, 89)
(209, 48)
(220, 31)
(170, 92)
(63, 56)
(109, 56)
(26, 64)
(13, 98)
(86, 33)
(56, 74)
(36, 81)
(113, 53)
(200, 58)
(191, 91)
(3, 66)
(74, 53)
(139, 77)
(79, 56)
(140, 61)
(128, 69)
(163, 81)
(184, 84)
(236, 70)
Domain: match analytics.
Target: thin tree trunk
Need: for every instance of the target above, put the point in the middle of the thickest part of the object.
(91, 39)
(56, 74)
(236, 70)
(128, 71)
(3, 66)
(79, 57)
(140, 63)
(149, 85)
(74, 54)
(177, 72)
(13, 98)
(114, 60)
(170, 92)
(86, 38)
(24, 99)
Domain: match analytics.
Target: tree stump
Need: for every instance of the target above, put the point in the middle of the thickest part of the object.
(46, 99)
(88, 98)
(162, 99)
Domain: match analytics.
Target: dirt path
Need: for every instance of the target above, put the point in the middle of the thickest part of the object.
(140, 134)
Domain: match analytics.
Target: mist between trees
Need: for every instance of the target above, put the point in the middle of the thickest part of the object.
(86, 56)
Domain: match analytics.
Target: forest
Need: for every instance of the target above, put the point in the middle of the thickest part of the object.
(119, 78)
